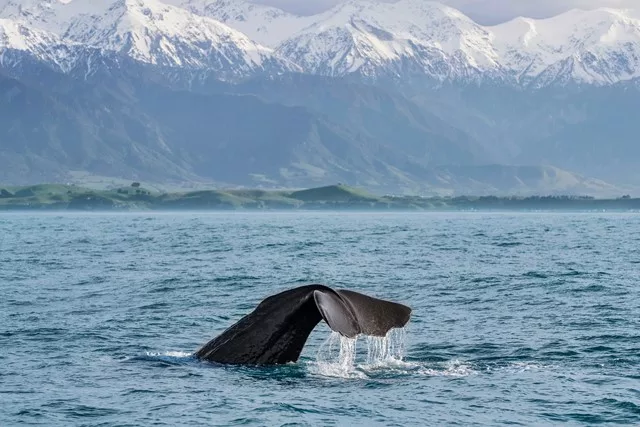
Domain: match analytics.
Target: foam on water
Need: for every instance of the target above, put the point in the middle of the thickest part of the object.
(176, 354)
(338, 356)
(453, 368)
(520, 367)
(164, 358)
(487, 342)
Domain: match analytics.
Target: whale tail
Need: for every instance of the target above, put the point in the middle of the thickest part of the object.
(351, 313)
(276, 331)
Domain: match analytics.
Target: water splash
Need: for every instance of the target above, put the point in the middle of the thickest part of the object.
(382, 351)
(338, 355)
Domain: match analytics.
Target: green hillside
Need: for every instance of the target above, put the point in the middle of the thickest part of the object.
(335, 197)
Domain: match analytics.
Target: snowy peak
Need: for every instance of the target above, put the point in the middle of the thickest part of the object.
(431, 23)
(378, 39)
(29, 12)
(152, 32)
(372, 39)
(36, 44)
(266, 25)
(596, 47)
(156, 33)
(14, 35)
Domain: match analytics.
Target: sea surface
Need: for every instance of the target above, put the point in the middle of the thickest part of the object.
(518, 318)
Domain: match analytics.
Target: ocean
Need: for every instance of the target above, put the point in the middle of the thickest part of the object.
(518, 318)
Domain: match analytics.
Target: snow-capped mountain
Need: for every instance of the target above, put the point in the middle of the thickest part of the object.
(131, 88)
(18, 42)
(364, 36)
(151, 32)
(596, 47)
(266, 25)
(156, 33)
(233, 39)
(372, 38)
(41, 14)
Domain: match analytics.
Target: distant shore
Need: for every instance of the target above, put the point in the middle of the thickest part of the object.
(55, 197)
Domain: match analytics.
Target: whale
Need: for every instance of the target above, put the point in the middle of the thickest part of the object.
(276, 331)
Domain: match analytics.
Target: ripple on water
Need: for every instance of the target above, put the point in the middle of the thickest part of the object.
(522, 319)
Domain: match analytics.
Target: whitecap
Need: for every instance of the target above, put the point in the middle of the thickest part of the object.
(452, 368)
(176, 354)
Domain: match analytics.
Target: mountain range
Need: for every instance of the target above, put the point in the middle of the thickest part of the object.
(404, 97)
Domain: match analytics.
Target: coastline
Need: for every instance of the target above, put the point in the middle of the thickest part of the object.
(55, 197)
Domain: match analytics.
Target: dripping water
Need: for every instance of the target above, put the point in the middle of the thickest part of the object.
(339, 356)
(381, 351)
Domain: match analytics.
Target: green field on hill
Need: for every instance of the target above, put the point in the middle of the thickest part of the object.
(336, 197)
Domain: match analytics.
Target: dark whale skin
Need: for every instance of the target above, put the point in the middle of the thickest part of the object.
(277, 330)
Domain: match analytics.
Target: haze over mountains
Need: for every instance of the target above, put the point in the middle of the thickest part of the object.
(399, 97)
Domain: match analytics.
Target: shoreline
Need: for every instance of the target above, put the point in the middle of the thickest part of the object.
(338, 198)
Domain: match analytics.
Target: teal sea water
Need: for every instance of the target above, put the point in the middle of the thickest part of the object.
(522, 319)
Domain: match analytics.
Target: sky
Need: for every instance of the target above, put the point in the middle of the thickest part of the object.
(483, 11)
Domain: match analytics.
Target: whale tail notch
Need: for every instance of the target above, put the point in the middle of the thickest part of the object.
(276, 331)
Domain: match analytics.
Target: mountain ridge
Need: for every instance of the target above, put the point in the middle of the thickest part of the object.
(369, 38)
(160, 135)
(411, 97)
(148, 31)
(499, 51)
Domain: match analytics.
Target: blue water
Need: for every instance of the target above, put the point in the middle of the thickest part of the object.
(530, 319)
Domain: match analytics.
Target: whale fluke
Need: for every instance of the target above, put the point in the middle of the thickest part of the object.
(277, 330)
